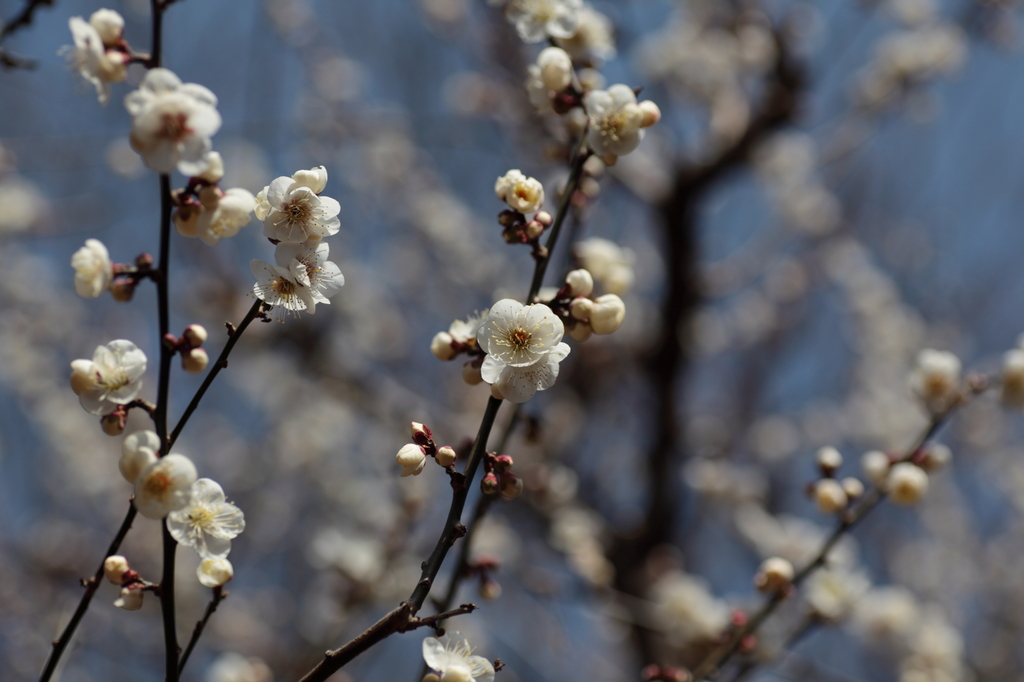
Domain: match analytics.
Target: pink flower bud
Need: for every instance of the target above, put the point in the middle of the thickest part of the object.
(489, 484)
(421, 434)
(511, 486)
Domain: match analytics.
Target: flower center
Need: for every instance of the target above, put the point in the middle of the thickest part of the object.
(113, 380)
(519, 339)
(297, 213)
(174, 126)
(282, 286)
(611, 126)
(158, 484)
(201, 518)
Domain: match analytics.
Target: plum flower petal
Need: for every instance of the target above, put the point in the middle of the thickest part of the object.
(207, 522)
(453, 659)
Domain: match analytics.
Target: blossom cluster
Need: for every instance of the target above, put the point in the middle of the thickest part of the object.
(100, 53)
(296, 217)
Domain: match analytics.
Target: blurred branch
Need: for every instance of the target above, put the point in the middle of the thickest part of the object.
(16, 23)
(849, 520)
(669, 358)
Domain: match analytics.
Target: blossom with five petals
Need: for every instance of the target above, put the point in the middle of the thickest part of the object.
(292, 209)
(113, 377)
(207, 522)
(453, 659)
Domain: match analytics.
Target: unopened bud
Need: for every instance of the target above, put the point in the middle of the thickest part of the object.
(496, 392)
(210, 197)
(534, 229)
(511, 486)
(875, 465)
(411, 458)
(582, 308)
(852, 487)
(907, 483)
(144, 261)
(131, 598)
(544, 218)
(122, 289)
(651, 113)
(581, 282)
(195, 335)
(113, 423)
(489, 484)
(471, 374)
(828, 460)
(114, 568)
(935, 456)
(609, 311)
(445, 456)
(186, 220)
(509, 218)
(502, 463)
(420, 434)
(581, 331)
(431, 677)
(194, 360)
(830, 496)
(441, 346)
(775, 574)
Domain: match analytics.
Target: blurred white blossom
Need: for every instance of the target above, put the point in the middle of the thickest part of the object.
(172, 123)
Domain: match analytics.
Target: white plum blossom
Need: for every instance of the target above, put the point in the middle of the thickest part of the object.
(113, 377)
(89, 56)
(907, 483)
(164, 486)
(935, 379)
(453, 659)
(536, 20)
(607, 315)
(555, 68)
(208, 522)
(1013, 378)
(610, 264)
(138, 451)
(523, 346)
(215, 572)
(325, 278)
(688, 611)
(172, 123)
(460, 333)
(520, 192)
(833, 591)
(223, 214)
(594, 38)
(292, 209)
(286, 287)
(615, 120)
(93, 270)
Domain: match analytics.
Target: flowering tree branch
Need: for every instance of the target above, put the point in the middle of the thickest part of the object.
(398, 618)
(17, 22)
(91, 584)
(723, 653)
(219, 595)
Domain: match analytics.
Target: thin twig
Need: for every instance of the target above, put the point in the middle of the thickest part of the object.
(399, 617)
(850, 519)
(234, 333)
(91, 585)
(219, 595)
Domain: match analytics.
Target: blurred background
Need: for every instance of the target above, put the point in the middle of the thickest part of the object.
(833, 187)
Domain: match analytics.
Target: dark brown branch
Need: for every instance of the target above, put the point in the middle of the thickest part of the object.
(234, 333)
(669, 358)
(22, 18)
(91, 585)
(219, 595)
